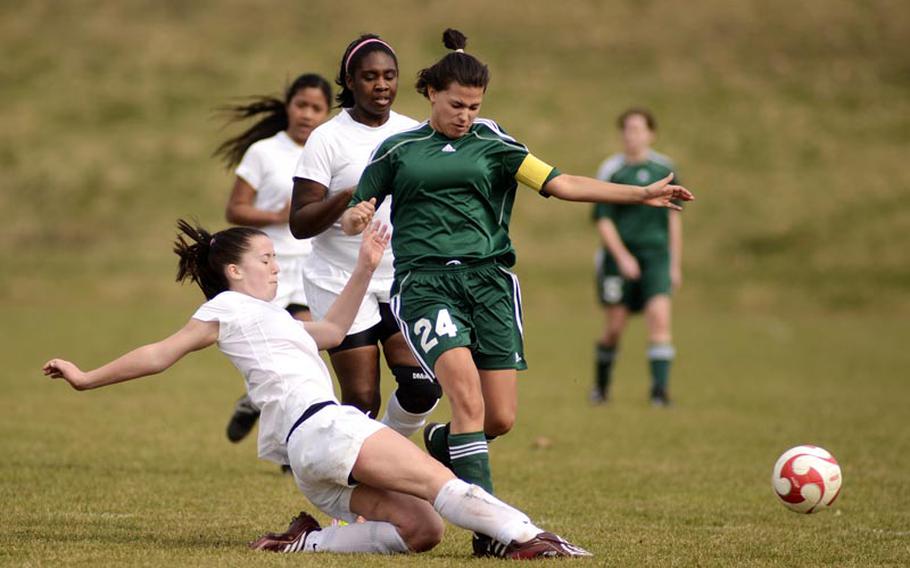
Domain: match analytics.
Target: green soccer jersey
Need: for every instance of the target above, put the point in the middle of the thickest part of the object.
(639, 226)
(451, 198)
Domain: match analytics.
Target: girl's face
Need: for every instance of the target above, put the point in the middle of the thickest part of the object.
(306, 110)
(374, 83)
(636, 136)
(256, 274)
(452, 111)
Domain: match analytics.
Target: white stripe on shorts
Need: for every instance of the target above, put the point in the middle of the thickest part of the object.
(516, 293)
(395, 304)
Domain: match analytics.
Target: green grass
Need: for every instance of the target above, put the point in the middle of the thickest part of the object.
(791, 121)
(142, 473)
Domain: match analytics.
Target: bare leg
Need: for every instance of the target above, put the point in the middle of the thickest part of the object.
(358, 376)
(500, 398)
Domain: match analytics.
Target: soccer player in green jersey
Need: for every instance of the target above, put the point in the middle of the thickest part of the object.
(640, 262)
(453, 180)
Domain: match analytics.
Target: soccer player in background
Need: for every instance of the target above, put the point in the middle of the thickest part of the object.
(639, 264)
(324, 180)
(452, 183)
(264, 157)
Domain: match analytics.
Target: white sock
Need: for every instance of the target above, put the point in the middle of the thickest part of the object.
(470, 507)
(402, 421)
(371, 537)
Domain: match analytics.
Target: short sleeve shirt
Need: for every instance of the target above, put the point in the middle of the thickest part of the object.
(639, 226)
(451, 198)
(268, 166)
(334, 157)
(278, 359)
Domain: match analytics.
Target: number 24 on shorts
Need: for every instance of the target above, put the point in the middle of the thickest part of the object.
(444, 326)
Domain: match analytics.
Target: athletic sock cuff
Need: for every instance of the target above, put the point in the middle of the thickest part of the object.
(661, 352)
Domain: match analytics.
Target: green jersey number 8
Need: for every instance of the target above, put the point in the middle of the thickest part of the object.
(444, 326)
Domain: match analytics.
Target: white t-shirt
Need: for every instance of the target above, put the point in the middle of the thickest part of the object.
(278, 359)
(268, 166)
(335, 156)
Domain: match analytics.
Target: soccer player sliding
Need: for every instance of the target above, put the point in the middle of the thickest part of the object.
(344, 462)
(453, 182)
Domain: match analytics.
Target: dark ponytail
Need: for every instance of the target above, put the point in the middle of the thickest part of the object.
(205, 256)
(457, 66)
(360, 47)
(273, 121)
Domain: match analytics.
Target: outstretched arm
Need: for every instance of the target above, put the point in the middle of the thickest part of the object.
(580, 188)
(331, 330)
(146, 360)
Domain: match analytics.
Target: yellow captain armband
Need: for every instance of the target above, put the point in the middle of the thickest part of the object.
(533, 172)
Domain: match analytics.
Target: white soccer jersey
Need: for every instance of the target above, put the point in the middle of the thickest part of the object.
(335, 156)
(268, 166)
(278, 359)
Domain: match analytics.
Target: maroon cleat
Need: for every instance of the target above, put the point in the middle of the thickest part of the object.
(291, 540)
(544, 545)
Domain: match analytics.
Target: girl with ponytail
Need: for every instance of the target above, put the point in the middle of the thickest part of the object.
(263, 158)
(452, 184)
(344, 463)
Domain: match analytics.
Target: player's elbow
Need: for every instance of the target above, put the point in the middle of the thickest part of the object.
(300, 225)
(559, 187)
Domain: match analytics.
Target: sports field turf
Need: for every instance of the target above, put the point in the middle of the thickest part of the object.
(790, 122)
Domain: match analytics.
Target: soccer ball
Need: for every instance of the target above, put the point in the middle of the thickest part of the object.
(807, 479)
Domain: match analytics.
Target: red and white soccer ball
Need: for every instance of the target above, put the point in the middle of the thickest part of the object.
(807, 479)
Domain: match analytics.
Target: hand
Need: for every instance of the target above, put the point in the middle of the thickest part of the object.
(361, 215)
(63, 369)
(628, 267)
(663, 194)
(676, 278)
(375, 240)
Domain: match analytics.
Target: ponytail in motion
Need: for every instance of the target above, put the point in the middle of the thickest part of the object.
(274, 117)
(204, 256)
(456, 66)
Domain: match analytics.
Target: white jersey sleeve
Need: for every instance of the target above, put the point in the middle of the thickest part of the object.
(610, 166)
(251, 167)
(316, 160)
(217, 309)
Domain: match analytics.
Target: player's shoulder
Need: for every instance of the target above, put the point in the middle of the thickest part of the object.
(395, 142)
(265, 146)
(490, 129)
(401, 122)
(611, 165)
(661, 160)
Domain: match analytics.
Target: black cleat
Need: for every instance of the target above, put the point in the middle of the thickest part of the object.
(659, 398)
(242, 421)
(598, 396)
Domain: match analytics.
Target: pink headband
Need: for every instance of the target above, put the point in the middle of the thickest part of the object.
(347, 62)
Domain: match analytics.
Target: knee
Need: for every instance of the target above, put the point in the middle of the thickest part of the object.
(365, 398)
(498, 423)
(422, 532)
(417, 392)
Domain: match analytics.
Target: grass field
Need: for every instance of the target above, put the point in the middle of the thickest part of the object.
(791, 122)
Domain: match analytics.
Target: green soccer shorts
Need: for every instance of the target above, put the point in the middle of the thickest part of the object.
(613, 289)
(476, 306)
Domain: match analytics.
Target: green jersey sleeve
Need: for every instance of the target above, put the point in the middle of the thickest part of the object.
(517, 162)
(376, 180)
